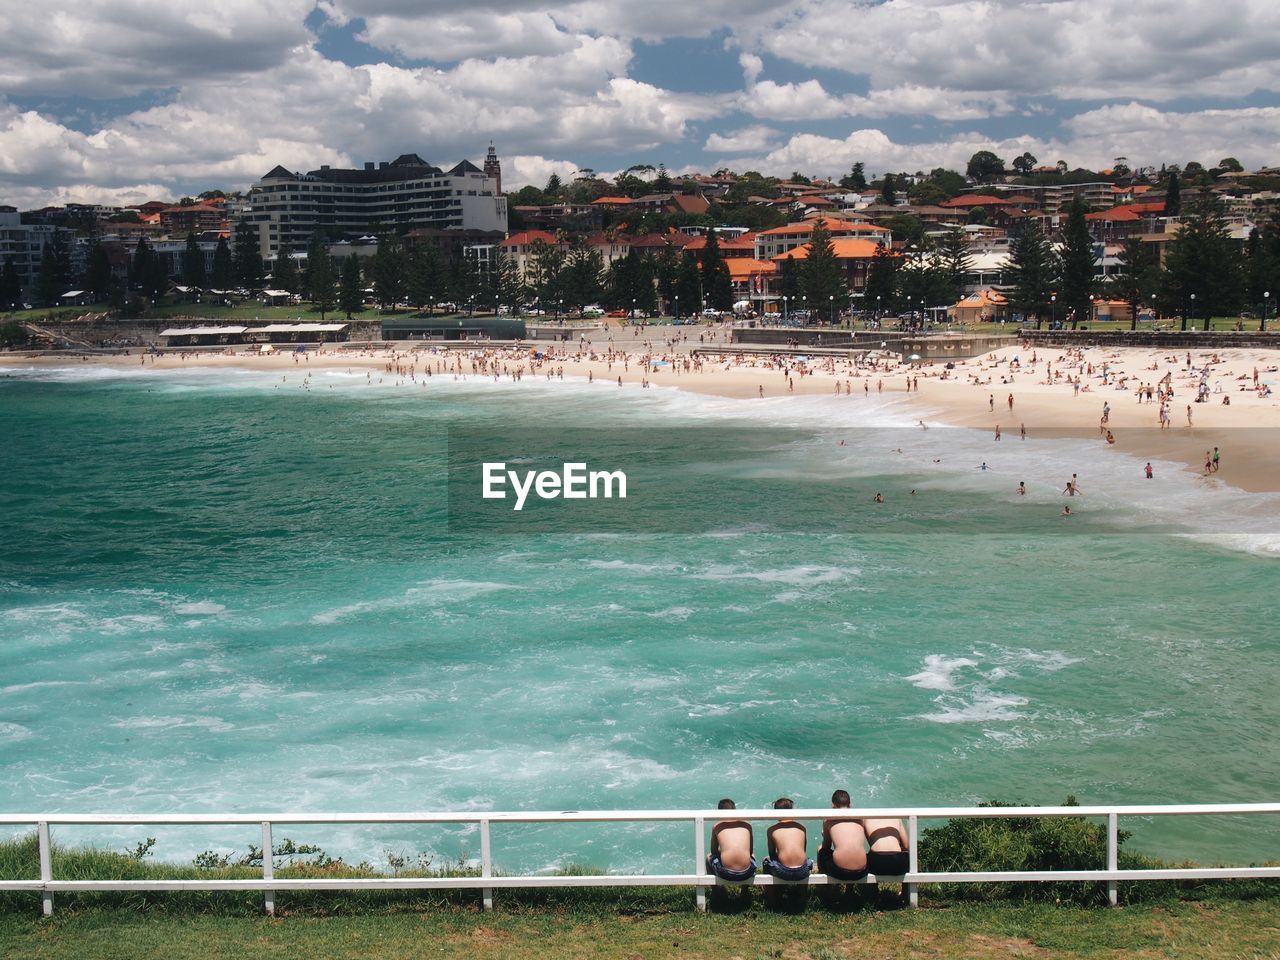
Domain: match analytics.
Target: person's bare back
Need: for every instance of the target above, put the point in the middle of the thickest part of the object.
(787, 842)
(848, 843)
(731, 841)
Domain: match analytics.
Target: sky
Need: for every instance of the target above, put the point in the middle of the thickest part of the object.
(120, 101)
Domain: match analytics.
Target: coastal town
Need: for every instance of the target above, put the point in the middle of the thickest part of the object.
(404, 249)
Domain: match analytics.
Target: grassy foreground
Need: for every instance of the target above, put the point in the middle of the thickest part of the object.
(1214, 930)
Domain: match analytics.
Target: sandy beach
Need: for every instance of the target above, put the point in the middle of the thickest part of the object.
(1047, 391)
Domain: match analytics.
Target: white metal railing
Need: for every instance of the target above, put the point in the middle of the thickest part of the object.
(487, 882)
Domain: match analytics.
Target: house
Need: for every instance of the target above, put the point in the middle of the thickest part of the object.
(983, 306)
(779, 240)
(854, 255)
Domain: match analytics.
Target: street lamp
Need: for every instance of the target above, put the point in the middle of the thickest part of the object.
(677, 306)
(1266, 295)
(431, 307)
(633, 308)
(1053, 316)
(1193, 312)
(831, 312)
(784, 309)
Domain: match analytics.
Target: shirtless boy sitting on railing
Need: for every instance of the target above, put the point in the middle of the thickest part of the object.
(731, 844)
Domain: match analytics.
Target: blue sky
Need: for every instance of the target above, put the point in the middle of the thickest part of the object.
(125, 100)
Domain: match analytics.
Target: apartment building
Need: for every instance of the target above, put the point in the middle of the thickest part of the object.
(399, 195)
(23, 243)
(1052, 199)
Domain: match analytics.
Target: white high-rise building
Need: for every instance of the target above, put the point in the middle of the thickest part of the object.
(406, 193)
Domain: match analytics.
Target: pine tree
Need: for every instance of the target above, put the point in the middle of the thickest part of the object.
(221, 277)
(1138, 279)
(324, 285)
(822, 278)
(10, 285)
(389, 273)
(284, 275)
(193, 263)
(888, 195)
(717, 285)
(688, 288)
(504, 280)
(955, 262)
(1173, 196)
(583, 275)
(1078, 261)
(50, 281)
(425, 281)
(245, 256)
(855, 179)
(140, 265)
(350, 292)
(317, 251)
(666, 269)
(156, 281)
(545, 263)
(1262, 267)
(1032, 271)
(97, 277)
(881, 293)
(1205, 262)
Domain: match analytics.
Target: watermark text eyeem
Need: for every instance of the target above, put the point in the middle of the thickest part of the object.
(573, 482)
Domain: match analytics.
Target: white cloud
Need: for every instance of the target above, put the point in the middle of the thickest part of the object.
(1144, 134)
(310, 110)
(415, 28)
(1147, 135)
(106, 48)
(468, 33)
(1089, 49)
(524, 170)
(747, 140)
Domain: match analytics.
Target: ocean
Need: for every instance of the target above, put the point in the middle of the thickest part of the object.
(227, 591)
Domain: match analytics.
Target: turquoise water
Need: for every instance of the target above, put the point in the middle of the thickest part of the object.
(228, 592)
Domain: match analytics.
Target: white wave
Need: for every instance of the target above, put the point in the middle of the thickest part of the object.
(632, 567)
(13, 731)
(983, 708)
(801, 576)
(204, 607)
(434, 593)
(673, 613)
(212, 724)
(41, 684)
(939, 672)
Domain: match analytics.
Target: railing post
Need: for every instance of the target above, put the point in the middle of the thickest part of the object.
(913, 859)
(46, 867)
(486, 862)
(699, 863)
(268, 869)
(1113, 855)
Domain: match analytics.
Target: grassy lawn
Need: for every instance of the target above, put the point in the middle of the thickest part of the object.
(649, 927)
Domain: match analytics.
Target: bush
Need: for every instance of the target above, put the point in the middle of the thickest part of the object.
(1022, 843)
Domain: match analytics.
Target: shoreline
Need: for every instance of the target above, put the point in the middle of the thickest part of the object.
(975, 394)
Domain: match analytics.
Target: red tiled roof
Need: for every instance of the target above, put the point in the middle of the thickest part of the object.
(1127, 213)
(612, 201)
(527, 237)
(845, 248)
(836, 227)
(974, 200)
(741, 268)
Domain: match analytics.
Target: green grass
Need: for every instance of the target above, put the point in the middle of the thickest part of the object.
(1214, 920)
(626, 931)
